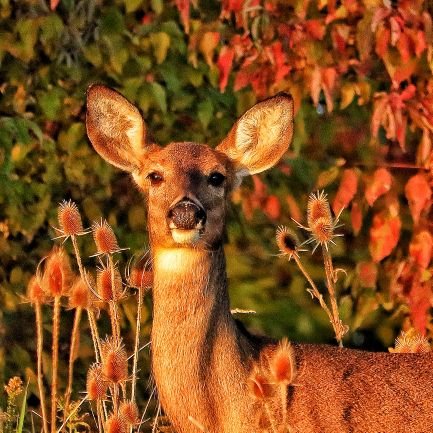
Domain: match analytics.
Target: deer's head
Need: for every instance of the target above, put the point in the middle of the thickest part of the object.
(187, 184)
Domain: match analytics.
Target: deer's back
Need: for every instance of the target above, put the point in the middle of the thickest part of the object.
(344, 390)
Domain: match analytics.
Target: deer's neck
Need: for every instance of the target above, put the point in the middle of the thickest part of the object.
(198, 354)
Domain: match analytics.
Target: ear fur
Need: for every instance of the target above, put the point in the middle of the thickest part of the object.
(115, 128)
(261, 136)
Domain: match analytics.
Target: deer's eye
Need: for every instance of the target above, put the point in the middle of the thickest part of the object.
(155, 178)
(216, 178)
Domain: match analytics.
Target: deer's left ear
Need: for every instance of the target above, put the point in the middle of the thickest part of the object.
(261, 136)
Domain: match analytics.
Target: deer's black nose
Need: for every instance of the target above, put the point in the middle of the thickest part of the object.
(186, 215)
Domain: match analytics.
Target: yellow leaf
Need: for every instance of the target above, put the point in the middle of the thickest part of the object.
(347, 95)
(160, 42)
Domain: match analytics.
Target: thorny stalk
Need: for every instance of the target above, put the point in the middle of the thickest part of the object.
(90, 314)
(72, 355)
(137, 342)
(39, 338)
(114, 308)
(55, 361)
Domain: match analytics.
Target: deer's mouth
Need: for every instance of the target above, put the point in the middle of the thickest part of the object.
(186, 220)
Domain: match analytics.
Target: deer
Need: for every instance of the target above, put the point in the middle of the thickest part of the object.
(202, 358)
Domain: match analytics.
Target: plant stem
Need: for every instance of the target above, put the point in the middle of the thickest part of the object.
(114, 312)
(72, 356)
(55, 362)
(137, 341)
(40, 340)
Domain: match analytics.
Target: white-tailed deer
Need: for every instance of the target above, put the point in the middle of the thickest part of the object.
(203, 361)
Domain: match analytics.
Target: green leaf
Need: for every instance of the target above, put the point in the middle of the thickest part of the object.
(51, 103)
(160, 42)
(159, 96)
(22, 411)
(205, 112)
(157, 6)
(132, 5)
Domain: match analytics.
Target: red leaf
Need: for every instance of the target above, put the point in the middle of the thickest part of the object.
(281, 66)
(346, 190)
(420, 301)
(421, 248)
(356, 217)
(403, 46)
(418, 193)
(54, 4)
(384, 235)
(381, 183)
(367, 273)
(225, 62)
(183, 8)
(272, 207)
(383, 37)
(315, 28)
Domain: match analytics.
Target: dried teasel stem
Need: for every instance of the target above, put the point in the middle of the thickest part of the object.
(137, 341)
(337, 324)
(114, 307)
(39, 346)
(55, 361)
(90, 313)
(72, 356)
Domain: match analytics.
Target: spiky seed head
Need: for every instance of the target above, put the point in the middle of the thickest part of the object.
(35, 293)
(69, 219)
(105, 239)
(322, 231)
(81, 296)
(96, 384)
(283, 363)
(411, 342)
(287, 241)
(114, 361)
(259, 385)
(57, 273)
(115, 424)
(141, 278)
(318, 207)
(104, 284)
(129, 412)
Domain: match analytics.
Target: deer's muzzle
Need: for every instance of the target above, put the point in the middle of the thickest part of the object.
(186, 220)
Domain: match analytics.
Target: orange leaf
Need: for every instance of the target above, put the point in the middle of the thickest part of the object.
(383, 37)
(381, 183)
(384, 235)
(54, 4)
(183, 8)
(294, 210)
(403, 46)
(421, 248)
(207, 46)
(272, 207)
(315, 28)
(418, 193)
(356, 217)
(346, 190)
(225, 62)
(420, 301)
(367, 273)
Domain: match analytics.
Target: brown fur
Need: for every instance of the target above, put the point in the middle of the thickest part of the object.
(201, 359)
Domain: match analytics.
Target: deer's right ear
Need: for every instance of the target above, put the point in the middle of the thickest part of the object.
(115, 128)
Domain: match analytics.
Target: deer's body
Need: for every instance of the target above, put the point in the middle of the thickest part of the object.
(201, 359)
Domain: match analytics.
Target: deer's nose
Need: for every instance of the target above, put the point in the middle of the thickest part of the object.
(186, 215)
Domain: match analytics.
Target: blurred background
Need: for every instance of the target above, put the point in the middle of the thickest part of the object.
(360, 72)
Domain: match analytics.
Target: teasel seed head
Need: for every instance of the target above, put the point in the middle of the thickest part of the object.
(129, 412)
(35, 293)
(283, 363)
(81, 296)
(57, 274)
(140, 278)
(259, 385)
(104, 284)
(114, 361)
(105, 239)
(287, 241)
(411, 342)
(115, 424)
(96, 384)
(69, 219)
